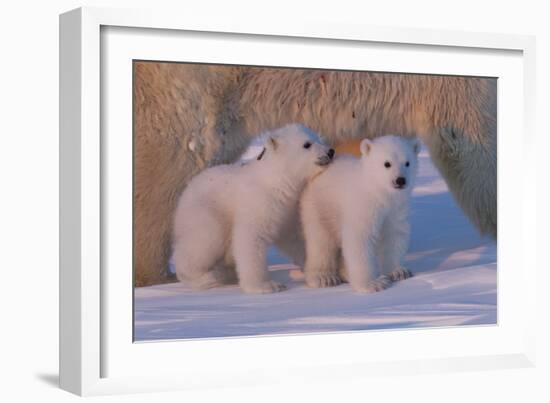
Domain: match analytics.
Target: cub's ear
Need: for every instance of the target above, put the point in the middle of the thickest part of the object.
(415, 143)
(272, 143)
(366, 146)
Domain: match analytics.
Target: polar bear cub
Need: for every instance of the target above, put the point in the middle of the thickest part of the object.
(355, 216)
(229, 214)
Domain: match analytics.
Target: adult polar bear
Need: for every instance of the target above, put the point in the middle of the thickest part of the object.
(189, 117)
(229, 214)
(355, 216)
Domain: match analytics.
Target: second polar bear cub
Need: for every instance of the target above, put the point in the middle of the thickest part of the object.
(355, 216)
(229, 214)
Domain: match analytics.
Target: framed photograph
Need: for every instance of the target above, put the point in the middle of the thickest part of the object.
(264, 201)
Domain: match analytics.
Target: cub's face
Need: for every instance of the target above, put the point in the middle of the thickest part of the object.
(297, 149)
(391, 161)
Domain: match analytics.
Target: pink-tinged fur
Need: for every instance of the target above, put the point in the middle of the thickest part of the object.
(189, 117)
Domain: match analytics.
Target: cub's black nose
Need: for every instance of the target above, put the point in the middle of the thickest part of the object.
(400, 181)
(331, 152)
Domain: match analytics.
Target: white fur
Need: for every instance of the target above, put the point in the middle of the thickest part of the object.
(355, 221)
(229, 214)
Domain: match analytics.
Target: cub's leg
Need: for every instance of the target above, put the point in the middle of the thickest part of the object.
(250, 251)
(394, 242)
(358, 249)
(321, 266)
(197, 249)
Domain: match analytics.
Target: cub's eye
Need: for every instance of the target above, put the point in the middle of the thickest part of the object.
(307, 144)
(407, 164)
(387, 164)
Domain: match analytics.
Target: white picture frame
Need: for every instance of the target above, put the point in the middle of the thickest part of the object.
(87, 343)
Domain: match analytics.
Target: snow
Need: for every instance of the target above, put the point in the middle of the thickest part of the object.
(454, 283)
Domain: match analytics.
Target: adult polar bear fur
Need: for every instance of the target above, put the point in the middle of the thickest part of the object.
(355, 216)
(229, 214)
(189, 117)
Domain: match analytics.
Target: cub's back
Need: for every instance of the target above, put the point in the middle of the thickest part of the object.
(338, 176)
(220, 186)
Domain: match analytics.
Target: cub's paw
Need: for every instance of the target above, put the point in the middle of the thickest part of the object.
(400, 273)
(323, 280)
(343, 275)
(204, 282)
(381, 283)
(267, 287)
